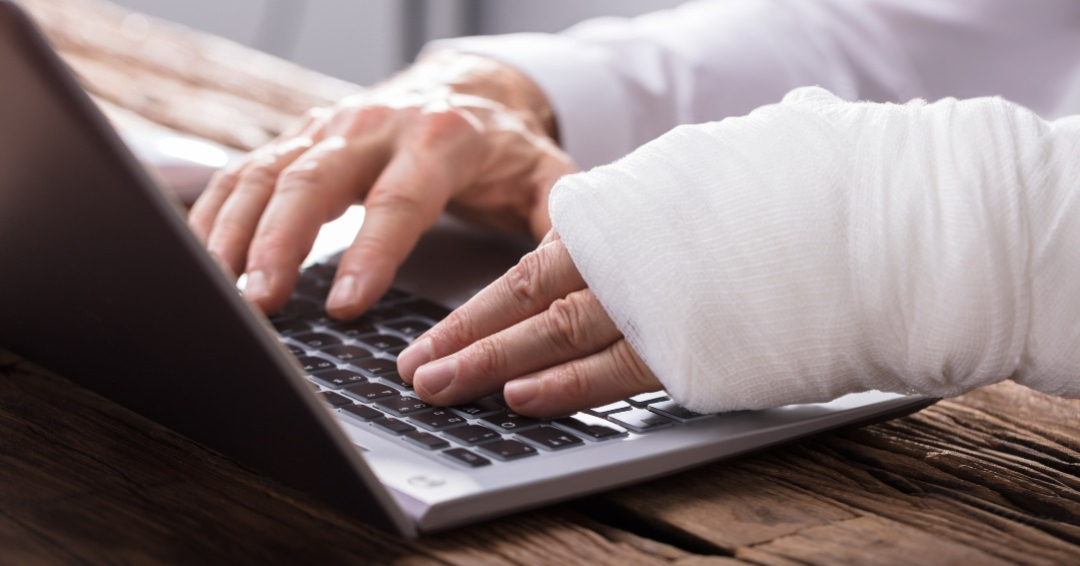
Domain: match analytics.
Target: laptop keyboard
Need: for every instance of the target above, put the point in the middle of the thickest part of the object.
(352, 366)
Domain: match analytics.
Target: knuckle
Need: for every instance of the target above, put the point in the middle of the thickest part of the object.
(370, 253)
(303, 177)
(573, 383)
(487, 357)
(260, 173)
(523, 282)
(403, 202)
(364, 117)
(228, 227)
(225, 177)
(269, 246)
(630, 370)
(455, 329)
(566, 322)
(442, 125)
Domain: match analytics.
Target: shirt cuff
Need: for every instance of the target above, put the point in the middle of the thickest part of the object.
(591, 108)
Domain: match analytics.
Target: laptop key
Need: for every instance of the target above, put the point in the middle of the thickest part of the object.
(301, 305)
(353, 328)
(382, 314)
(466, 458)
(348, 353)
(610, 408)
(426, 440)
(312, 364)
(339, 378)
(640, 420)
(511, 421)
(644, 399)
(481, 408)
(393, 426)
(550, 438)
(362, 413)
(368, 392)
(507, 449)
(317, 340)
(384, 342)
(470, 435)
(395, 378)
(335, 400)
(410, 328)
(591, 431)
(674, 411)
(404, 405)
(375, 367)
(438, 419)
(295, 350)
(291, 326)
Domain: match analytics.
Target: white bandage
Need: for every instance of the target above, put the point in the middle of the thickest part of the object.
(819, 247)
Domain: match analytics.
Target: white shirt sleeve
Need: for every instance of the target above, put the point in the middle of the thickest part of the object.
(819, 247)
(618, 83)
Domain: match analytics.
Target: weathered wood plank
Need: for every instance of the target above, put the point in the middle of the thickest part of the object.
(868, 541)
(953, 472)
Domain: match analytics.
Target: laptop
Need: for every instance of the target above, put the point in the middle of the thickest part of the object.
(104, 284)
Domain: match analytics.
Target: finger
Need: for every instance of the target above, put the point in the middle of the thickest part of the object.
(541, 277)
(206, 207)
(574, 327)
(405, 201)
(615, 373)
(314, 189)
(239, 215)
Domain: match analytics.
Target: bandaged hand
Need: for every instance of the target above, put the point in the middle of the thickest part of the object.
(538, 334)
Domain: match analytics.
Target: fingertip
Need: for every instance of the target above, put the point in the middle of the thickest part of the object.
(355, 291)
(262, 290)
(521, 394)
(432, 381)
(342, 299)
(416, 355)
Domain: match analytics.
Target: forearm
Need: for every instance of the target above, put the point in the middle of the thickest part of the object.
(817, 247)
(618, 83)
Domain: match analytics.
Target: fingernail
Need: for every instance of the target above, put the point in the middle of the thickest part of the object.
(521, 391)
(257, 286)
(416, 355)
(343, 294)
(436, 376)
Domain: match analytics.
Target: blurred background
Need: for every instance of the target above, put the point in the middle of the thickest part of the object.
(363, 41)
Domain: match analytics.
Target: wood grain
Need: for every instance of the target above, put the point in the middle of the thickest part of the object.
(1001, 488)
(989, 478)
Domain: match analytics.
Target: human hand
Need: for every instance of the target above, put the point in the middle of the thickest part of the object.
(455, 131)
(539, 334)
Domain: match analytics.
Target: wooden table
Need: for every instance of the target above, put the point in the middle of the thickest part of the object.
(990, 478)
